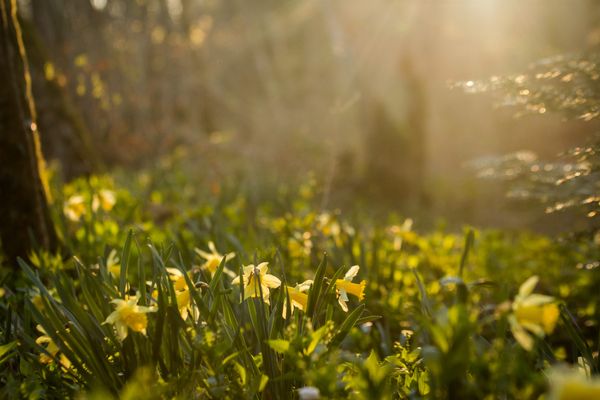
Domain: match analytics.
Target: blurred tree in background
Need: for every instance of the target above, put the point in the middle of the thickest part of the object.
(270, 91)
(568, 85)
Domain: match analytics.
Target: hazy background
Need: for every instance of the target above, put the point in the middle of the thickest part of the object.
(356, 92)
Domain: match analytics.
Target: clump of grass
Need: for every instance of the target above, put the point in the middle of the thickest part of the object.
(289, 303)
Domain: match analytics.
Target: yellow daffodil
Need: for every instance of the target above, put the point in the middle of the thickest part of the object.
(74, 207)
(185, 305)
(105, 199)
(36, 299)
(252, 275)
(213, 259)
(532, 313)
(112, 264)
(300, 244)
(178, 279)
(51, 348)
(327, 224)
(298, 297)
(568, 384)
(128, 315)
(182, 294)
(345, 287)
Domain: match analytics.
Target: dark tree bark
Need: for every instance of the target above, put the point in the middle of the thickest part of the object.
(24, 218)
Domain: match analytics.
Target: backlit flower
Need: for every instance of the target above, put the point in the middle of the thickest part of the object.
(327, 224)
(568, 384)
(74, 207)
(532, 313)
(178, 279)
(252, 275)
(298, 297)
(213, 259)
(112, 264)
(182, 294)
(128, 315)
(51, 348)
(105, 199)
(345, 287)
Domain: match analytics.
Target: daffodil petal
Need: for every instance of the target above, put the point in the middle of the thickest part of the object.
(536, 300)
(352, 272)
(270, 281)
(263, 267)
(528, 286)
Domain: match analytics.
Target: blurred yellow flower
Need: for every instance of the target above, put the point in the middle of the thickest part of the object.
(532, 313)
(105, 199)
(568, 384)
(252, 275)
(182, 294)
(214, 258)
(112, 264)
(128, 315)
(74, 207)
(185, 306)
(345, 286)
(298, 297)
(328, 225)
(300, 244)
(51, 348)
(178, 279)
(36, 300)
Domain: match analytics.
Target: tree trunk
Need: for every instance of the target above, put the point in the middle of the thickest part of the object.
(25, 220)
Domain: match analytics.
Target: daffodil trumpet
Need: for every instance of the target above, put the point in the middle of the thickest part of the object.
(182, 294)
(256, 281)
(345, 286)
(297, 297)
(128, 315)
(533, 315)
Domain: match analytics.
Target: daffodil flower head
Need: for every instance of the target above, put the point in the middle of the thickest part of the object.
(569, 384)
(105, 199)
(213, 259)
(257, 281)
(298, 297)
(51, 348)
(112, 264)
(327, 224)
(532, 313)
(36, 300)
(185, 305)
(182, 294)
(128, 315)
(74, 207)
(346, 286)
(178, 279)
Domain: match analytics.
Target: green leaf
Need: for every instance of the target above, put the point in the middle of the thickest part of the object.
(5, 349)
(368, 318)
(315, 290)
(468, 244)
(279, 345)
(348, 323)
(124, 262)
(316, 338)
(263, 382)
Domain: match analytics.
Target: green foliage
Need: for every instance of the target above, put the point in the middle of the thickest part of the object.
(435, 321)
